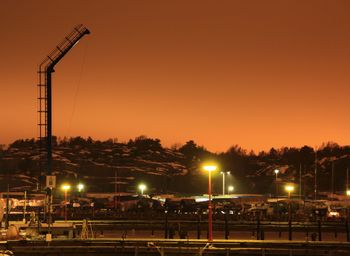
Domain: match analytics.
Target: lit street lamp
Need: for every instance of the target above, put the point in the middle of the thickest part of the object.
(142, 188)
(230, 189)
(65, 188)
(80, 187)
(289, 189)
(210, 168)
(223, 181)
(276, 186)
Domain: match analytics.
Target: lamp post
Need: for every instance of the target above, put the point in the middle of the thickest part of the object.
(223, 181)
(65, 188)
(289, 189)
(142, 188)
(347, 218)
(210, 168)
(276, 186)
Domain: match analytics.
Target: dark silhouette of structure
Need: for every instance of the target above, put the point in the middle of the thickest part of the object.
(46, 68)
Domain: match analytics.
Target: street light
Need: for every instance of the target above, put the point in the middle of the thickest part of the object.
(276, 186)
(80, 187)
(223, 181)
(209, 169)
(142, 188)
(289, 189)
(230, 189)
(65, 188)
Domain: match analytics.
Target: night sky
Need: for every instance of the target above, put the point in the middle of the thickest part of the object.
(260, 74)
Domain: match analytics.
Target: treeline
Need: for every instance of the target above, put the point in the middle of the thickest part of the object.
(250, 172)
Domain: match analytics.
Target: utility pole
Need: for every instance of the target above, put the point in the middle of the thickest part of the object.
(300, 168)
(315, 184)
(332, 180)
(347, 178)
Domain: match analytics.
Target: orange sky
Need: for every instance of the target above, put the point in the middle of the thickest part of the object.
(258, 73)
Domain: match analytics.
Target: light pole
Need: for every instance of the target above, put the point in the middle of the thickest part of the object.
(347, 217)
(65, 188)
(289, 189)
(276, 185)
(223, 181)
(142, 188)
(210, 168)
(315, 174)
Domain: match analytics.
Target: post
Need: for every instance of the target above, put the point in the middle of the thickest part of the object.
(315, 181)
(210, 216)
(199, 226)
(7, 207)
(276, 186)
(319, 231)
(227, 231)
(258, 226)
(223, 183)
(289, 218)
(25, 206)
(347, 179)
(332, 180)
(116, 189)
(347, 225)
(300, 169)
(65, 205)
(166, 225)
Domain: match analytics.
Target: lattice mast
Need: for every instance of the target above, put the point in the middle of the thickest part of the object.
(46, 68)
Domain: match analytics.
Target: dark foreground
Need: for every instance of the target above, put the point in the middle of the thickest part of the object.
(140, 247)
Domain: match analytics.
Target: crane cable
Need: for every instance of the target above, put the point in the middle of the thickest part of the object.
(77, 89)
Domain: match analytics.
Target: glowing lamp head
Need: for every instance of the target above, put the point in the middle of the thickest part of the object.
(80, 187)
(289, 188)
(276, 171)
(65, 187)
(142, 187)
(210, 168)
(230, 188)
(348, 192)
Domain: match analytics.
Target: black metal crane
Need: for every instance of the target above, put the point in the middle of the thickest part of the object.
(46, 68)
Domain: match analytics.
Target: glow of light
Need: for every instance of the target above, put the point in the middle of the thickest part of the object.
(289, 188)
(210, 168)
(80, 187)
(277, 171)
(142, 187)
(65, 187)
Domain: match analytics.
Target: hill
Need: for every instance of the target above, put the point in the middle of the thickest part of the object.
(107, 166)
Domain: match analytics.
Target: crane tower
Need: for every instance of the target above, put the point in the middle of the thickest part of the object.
(46, 68)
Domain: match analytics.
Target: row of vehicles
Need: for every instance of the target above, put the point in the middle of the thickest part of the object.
(239, 208)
